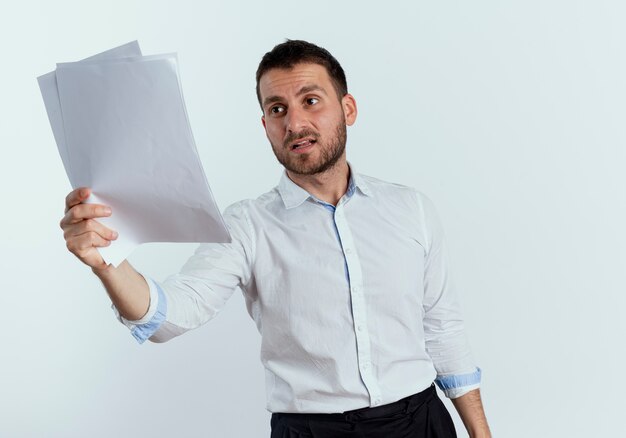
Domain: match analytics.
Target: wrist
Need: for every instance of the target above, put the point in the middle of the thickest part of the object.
(480, 433)
(103, 272)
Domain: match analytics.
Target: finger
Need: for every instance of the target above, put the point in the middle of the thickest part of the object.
(76, 197)
(79, 245)
(88, 225)
(84, 211)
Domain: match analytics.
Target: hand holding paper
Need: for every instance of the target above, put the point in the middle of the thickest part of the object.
(121, 127)
(83, 231)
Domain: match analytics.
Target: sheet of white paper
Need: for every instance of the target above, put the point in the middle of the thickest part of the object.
(50, 94)
(127, 137)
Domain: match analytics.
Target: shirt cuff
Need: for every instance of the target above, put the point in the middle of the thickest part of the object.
(454, 386)
(144, 328)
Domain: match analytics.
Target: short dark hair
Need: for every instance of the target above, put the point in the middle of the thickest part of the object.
(286, 55)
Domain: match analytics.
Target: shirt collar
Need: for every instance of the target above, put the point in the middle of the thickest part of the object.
(293, 195)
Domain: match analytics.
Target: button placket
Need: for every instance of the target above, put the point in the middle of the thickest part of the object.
(358, 306)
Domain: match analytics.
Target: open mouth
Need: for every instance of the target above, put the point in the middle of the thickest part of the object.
(304, 143)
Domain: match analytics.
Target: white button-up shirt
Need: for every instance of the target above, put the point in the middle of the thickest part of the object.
(354, 302)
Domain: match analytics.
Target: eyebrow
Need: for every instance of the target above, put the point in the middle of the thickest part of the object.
(304, 90)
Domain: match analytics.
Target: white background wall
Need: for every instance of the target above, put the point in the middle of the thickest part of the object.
(509, 115)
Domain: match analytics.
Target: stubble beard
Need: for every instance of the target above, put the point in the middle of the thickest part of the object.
(301, 164)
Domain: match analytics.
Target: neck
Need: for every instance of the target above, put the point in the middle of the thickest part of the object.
(328, 186)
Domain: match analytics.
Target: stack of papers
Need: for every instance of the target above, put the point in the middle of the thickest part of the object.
(121, 127)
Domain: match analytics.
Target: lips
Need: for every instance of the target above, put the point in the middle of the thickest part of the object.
(303, 143)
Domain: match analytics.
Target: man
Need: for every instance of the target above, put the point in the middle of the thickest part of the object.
(345, 276)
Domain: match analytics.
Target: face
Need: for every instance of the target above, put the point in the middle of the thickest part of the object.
(304, 119)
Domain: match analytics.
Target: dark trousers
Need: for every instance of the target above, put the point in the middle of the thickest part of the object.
(422, 415)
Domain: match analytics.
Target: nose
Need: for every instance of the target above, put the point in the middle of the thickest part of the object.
(296, 119)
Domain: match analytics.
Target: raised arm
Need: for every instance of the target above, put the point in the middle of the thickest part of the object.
(83, 234)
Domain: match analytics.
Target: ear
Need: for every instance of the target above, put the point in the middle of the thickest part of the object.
(263, 122)
(348, 103)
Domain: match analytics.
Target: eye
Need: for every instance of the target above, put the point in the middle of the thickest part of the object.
(277, 109)
(312, 100)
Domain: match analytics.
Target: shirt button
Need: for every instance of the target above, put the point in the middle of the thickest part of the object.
(356, 289)
(359, 328)
(348, 250)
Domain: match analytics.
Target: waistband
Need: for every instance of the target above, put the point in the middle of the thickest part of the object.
(404, 405)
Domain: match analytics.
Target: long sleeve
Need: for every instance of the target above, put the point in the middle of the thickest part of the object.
(446, 342)
(199, 291)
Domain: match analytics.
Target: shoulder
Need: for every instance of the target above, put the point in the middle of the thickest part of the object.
(246, 206)
(405, 202)
(395, 192)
